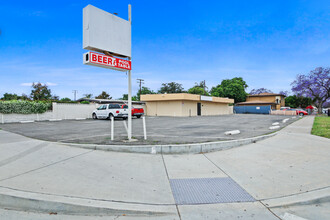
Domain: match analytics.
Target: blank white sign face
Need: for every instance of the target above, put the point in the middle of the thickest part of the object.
(103, 31)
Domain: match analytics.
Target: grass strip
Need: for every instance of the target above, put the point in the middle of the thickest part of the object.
(321, 126)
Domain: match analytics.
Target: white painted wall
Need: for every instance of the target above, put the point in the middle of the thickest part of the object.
(60, 111)
(11, 118)
(73, 111)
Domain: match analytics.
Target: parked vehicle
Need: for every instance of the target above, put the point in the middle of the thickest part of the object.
(299, 111)
(282, 108)
(138, 112)
(107, 110)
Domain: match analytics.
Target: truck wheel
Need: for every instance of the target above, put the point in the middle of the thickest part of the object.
(139, 116)
(94, 116)
(110, 116)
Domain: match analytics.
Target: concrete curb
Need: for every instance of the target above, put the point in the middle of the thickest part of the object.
(306, 198)
(174, 149)
(34, 202)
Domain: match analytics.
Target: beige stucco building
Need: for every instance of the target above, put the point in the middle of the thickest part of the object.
(184, 104)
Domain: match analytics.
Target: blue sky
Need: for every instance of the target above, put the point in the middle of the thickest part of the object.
(266, 42)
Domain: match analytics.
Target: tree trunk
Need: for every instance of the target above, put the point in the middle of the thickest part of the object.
(319, 107)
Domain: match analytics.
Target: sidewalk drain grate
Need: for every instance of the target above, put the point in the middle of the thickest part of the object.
(208, 191)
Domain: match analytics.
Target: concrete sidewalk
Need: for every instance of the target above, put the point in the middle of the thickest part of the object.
(286, 175)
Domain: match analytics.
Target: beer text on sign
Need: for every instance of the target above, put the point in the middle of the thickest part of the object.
(101, 60)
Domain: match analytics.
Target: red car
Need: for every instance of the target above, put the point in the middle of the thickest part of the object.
(301, 112)
(138, 112)
(298, 111)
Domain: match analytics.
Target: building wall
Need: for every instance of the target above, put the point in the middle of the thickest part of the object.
(210, 108)
(268, 99)
(164, 108)
(261, 98)
(186, 108)
(189, 108)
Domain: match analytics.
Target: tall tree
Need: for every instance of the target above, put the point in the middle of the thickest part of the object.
(9, 96)
(103, 95)
(171, 87)
(284, 92)
(144, 91)
(315, 84)
(125, 97)
(65, 99)
(258, 91)
(232, 88)
(199, 89)
(88, 95)
(294, 101)
(40, 92)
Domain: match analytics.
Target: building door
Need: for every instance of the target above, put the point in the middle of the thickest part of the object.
(199, 109)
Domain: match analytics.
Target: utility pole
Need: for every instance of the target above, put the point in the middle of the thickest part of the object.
(140, 81)
(129, 74)
(75, 94)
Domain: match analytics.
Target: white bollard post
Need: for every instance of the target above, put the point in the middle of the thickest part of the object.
(2, 120)
(144, 127)
(112, 126)
(37, 117)
(125, 125)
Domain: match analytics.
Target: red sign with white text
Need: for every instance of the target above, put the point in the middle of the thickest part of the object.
(97, 59)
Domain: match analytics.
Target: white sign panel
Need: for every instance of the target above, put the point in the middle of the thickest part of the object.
(103, 31)
(206, 98)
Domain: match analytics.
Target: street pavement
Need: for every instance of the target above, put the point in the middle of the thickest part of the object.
(286, 175)
(160, 130)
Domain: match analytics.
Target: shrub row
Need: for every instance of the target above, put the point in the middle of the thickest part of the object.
(24, 107)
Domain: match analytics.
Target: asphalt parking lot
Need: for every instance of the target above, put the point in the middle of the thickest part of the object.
(160, 130)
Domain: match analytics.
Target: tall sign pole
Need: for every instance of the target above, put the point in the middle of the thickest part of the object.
(109, 34)
(129, 135)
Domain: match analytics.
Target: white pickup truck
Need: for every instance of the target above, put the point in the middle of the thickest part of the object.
(107, 110)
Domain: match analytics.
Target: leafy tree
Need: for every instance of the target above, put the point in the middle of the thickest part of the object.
(55, 98)
(258, 91)
(9, 96)
(40, 92)
(65, 100)
(282, 92)
(294, 101)
(125, 97)
(171, 87)
(144, 91)
(315, 84)
(232, 88)
(88, 96)
(199, 89)
(103, 95)
(24, 97)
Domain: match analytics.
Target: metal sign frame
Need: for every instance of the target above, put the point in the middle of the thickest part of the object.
(115, 53)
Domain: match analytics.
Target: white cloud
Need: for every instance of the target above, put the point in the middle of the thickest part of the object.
(47, 83)
(51, 84)
(26, 84)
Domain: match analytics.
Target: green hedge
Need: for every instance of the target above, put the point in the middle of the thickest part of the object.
(24, 107)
